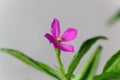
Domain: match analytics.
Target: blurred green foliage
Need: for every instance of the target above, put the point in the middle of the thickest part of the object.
(114, 18)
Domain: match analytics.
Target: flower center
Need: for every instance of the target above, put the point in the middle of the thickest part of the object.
(58, 39)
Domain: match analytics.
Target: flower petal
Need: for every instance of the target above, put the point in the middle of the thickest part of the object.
(66, 47)
(55, 28)
(69, 34)
(50, 38)
(55, 45)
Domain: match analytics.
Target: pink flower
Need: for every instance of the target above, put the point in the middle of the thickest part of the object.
(58, 40)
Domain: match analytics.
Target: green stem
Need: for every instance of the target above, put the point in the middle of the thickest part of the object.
(61, 67)
(59, 61)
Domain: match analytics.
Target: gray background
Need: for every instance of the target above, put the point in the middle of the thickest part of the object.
(23, 24)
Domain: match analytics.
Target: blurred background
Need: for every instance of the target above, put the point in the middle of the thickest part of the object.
(23, 24)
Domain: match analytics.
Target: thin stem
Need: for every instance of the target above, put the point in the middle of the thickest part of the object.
(60, 62)
(61, 67)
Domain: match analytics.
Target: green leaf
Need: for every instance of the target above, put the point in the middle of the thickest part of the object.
(114, 18)
(113, 64)
(35, 64)
(88, 70)
(108, 76)
(83, 49)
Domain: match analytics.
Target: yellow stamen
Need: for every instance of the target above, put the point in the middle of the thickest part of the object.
(59, 39)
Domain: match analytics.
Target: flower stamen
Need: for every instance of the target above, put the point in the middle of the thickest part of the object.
(59, 39)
